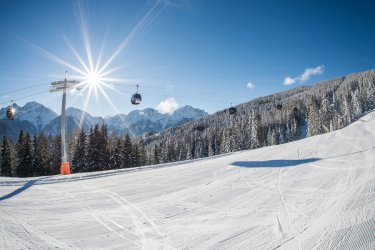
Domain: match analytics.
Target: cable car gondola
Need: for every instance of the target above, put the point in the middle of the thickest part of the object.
(295, 110)
(11, 112)
(232, 110)
(279, 106)
(136, 98)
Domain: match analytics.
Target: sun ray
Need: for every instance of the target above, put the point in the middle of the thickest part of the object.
(99, 59)
(108, 86)
(53, 57)
(95, 87)
(125, 81)
(150, 15)
(85, 34)
(76, 54)
(110, 71)
(85, 105)
(95, 77)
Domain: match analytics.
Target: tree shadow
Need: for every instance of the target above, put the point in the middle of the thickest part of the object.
(21, 189)
(273, 163)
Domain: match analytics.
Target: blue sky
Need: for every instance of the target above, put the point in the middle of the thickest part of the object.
(206, 54)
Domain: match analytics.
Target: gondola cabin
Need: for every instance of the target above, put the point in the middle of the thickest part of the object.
(11, 112)
(232, 110)
(136, 99)
(279, 106)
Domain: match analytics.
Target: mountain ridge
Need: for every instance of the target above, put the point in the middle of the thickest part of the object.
(35, 117)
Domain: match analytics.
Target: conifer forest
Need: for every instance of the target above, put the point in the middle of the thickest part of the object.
(275, 119)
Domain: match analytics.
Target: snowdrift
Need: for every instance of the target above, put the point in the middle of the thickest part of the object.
(314, 193)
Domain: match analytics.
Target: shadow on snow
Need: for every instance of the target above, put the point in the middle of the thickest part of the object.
(273, 163)
(21, 189)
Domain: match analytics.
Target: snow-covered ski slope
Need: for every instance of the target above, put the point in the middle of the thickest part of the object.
(316, 193)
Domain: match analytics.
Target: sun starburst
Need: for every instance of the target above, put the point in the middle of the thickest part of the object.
(93, 78)
(94, 73)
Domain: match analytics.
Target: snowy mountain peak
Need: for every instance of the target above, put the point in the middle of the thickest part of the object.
(188, 112)
(136, 123)
(35, 113)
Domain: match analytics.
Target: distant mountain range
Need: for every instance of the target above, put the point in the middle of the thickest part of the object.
(35, 117)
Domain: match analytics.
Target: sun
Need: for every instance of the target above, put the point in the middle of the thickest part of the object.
(93, 78)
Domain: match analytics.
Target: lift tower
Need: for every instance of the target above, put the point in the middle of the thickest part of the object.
(63, 86)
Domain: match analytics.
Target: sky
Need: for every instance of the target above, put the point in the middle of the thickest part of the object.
(207, 54)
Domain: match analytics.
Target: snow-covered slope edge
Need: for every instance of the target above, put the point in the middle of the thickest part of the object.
(312, 193)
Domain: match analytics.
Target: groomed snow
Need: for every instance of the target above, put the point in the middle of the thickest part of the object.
(317, 193)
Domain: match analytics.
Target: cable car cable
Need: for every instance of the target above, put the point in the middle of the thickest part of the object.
(23, 97)
(149, 87)
(188, 90)
(29, 87)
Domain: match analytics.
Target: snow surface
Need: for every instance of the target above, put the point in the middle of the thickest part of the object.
(316, 193)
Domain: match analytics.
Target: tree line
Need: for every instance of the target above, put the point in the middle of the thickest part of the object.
(306, 111)
(39, 155)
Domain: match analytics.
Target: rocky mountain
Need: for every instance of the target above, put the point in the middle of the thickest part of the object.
(74, 118)
(34, 117)
(11, 129)
(139, 122)
(35, 113)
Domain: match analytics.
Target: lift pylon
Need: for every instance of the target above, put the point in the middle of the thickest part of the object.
(63, 86)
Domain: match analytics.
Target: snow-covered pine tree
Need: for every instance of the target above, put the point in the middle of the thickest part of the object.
(357, 104)
(254, 131)
(370, 97)
(155, 154)
(281, 136)
(27, 158)
(19, 154)
(347, 114)
(162, 152)
(135, 156)
(79, 161)
(167, 152)
(24, 155)
(127, 151)
(142, 152)
(177, 150)
(189, 154)
(269, 137)
(6, 158)
(313, 119)
(91, 150)
(104, 151)
(226, 141)
(325, 115)
(40, 156)
(211, 145)
(55, 155)
(117, 157)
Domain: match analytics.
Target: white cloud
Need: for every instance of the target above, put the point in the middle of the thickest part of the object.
(305, 76)
(309, 72)
(289, 81)
(250, 85)
(167, 106)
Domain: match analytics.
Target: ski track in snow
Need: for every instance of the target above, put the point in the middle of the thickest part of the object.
(316, 193)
